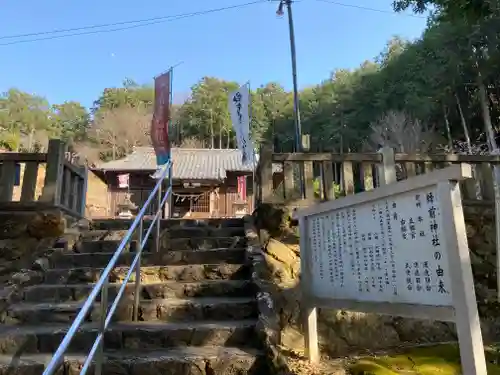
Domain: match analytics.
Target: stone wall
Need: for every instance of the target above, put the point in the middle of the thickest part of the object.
(344, 333)
(481, 235)
(275, 272)
(26, 241)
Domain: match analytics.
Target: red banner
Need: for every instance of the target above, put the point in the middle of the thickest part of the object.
(242, 187)
(161, 118)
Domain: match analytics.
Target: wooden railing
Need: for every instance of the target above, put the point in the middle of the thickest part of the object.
(64, 185)
(330, 175)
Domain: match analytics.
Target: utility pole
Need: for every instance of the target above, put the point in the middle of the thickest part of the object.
(296, 109)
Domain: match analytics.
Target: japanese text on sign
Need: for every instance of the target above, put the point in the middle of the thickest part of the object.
(389, 250)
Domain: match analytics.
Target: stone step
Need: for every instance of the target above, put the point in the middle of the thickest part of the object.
(167, 310)
(167, 258)
(107, 241)
(120, 224)
(169, 289)
(133, 335)
(175, 361)
(200, 232)
(151, 274)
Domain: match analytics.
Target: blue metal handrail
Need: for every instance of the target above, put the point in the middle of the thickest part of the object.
(102, 284)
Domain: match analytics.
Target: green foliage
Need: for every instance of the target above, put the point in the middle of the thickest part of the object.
(317, 188)
(451, 10)
(414, 94)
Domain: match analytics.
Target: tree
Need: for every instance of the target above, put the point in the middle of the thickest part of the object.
(131, 94)
(23, 114)
(118, 131)
(464, 10)
(444, 84)
(71, 120)
(205, 114)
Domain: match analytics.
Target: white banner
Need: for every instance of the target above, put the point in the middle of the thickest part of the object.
(239, 107)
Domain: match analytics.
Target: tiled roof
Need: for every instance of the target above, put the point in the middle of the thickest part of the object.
(210, 164)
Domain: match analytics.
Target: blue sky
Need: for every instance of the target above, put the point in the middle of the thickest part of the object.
(248, 43)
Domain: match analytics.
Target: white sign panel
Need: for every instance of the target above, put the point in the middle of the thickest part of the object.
(389, 250)
(123, 180)
(239, 106)
(400, 249)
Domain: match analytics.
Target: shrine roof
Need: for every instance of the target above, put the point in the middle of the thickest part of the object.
(210, 164)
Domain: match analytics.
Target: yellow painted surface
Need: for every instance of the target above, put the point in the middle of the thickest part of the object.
(437, 360)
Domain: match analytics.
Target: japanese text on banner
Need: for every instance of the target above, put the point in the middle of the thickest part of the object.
(239, 104)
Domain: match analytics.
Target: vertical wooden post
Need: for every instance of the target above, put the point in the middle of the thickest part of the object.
(288, 180)
(308, 169)
(66, 190)
(348, 175)
(266, 172)
(411, 169)
(211, 203)
(309, 312)
(74, 188)
(328, 181)
(486, 181)
(54, 173)
(83, 198)
(29, 182)
(471, 188)
(428, 166)
(387, 170)
(7, 181)
(367, 176)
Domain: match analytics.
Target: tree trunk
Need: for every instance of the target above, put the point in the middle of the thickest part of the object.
(448, 130)
(220, 136)
(30, 140)
(212, 130)
(485, 111)
(464, 125)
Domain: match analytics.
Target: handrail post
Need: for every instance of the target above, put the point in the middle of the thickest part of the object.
(55, 166)
(137, 289)
(102, 325)
(83, 198)
(158, 217)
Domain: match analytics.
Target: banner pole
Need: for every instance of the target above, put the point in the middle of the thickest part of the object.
(169, 126)
(254, 162)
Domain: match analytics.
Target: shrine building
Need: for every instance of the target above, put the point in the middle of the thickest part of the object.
(206, 182)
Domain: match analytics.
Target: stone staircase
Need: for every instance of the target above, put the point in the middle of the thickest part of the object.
(197, 312)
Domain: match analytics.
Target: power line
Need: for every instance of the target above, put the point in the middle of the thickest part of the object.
(139, 23)
(360, 7)
(153, 21)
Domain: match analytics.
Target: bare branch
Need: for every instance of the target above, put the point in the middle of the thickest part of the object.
(192, 142)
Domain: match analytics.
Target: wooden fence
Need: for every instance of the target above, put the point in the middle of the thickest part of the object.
(330, 175)
(64, 186)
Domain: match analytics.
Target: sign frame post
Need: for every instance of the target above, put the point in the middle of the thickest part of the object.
(464, 297)
(461, 309)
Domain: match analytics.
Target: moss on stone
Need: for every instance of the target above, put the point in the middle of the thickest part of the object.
(440, 359)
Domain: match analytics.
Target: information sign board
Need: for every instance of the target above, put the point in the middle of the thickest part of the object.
(400, 249)
(387, 250)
